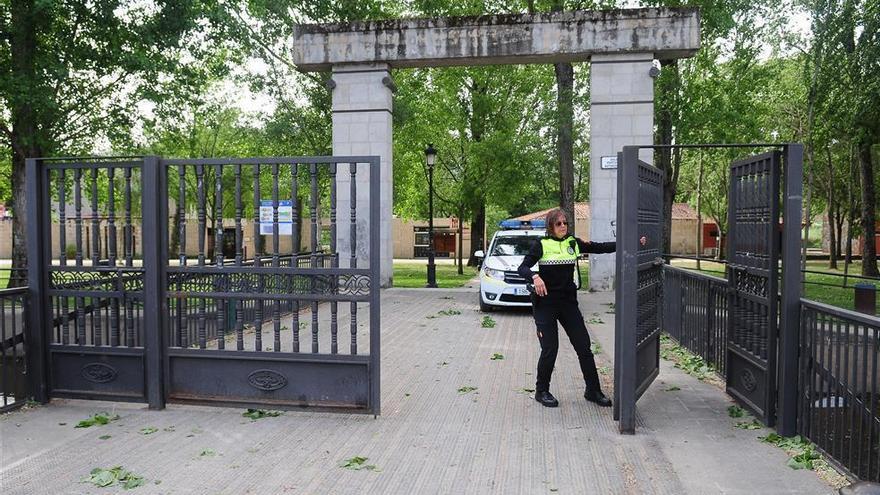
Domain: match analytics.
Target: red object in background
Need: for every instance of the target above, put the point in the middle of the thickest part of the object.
(710, 233)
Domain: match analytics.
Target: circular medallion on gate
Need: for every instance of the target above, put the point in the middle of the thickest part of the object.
(748, 380)
(99, 372)
(267, 380)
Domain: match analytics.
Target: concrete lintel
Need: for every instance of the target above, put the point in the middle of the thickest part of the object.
(499, 39)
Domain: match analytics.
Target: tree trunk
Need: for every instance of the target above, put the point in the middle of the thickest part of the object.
(478, 229)
(667, 96)
(25, 133)
(564, 142)
(460, 240)
(866, 172)
(700, 212)
(833, 206)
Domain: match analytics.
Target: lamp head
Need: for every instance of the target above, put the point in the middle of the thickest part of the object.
(430, 155)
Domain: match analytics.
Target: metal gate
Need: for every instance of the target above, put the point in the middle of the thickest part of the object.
(638, 293)
(135, 300)
(752, 275)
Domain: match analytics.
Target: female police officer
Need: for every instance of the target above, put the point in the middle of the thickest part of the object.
(556, 300)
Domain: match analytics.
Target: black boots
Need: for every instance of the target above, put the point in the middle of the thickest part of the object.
(598, 397)
(546, 399)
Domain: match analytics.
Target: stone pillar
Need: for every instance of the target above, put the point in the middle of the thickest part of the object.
(621, 113)
(362, 126)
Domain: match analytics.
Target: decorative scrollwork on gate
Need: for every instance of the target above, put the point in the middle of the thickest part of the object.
(751, 283)
(267, 380)
(271, 283)
(748, 380)
(99, 372)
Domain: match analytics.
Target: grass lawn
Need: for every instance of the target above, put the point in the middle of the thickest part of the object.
(818, 287)
(411, 275)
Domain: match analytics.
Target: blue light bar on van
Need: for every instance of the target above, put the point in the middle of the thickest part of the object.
(513, 224)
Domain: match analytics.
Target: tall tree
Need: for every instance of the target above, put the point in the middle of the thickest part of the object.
(72, 72)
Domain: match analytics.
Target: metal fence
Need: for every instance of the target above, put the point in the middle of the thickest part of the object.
(839, 404)
(695, 314)
(14, 389)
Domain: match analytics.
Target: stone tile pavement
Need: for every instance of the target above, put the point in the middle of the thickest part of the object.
(430, 437)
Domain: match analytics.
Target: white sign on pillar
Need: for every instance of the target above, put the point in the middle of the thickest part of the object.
(362, 102)
(621, 114)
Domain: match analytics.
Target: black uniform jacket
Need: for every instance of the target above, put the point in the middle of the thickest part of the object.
(559, 278)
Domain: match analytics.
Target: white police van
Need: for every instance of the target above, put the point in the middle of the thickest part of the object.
(500, 284)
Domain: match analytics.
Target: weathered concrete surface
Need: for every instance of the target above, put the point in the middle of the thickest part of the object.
(498, 39)
(430, 438)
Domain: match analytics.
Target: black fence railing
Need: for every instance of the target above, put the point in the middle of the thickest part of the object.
(839, 386)
(14, 389)
(695, 314)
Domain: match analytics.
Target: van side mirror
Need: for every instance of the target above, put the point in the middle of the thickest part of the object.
(479, 254)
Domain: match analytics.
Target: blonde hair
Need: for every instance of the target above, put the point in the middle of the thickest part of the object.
(550, 219)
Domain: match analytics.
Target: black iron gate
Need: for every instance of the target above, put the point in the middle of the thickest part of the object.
(135, 300)
(752, 274)
(638, 294)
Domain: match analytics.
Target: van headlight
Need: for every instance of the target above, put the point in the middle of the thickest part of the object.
(492, 273)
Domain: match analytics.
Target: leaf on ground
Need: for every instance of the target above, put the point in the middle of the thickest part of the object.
(488, 322)
(466, 389)
(168, 428)
(497, 357)
(104, 437)
(596, 348)
(596, 321)
(735, 412)
(603, 370)
(449, 312)
(526, 390)
(673, 388)
(148, 430)
(358, 463)
(102, 477)
(99, 419)
(256, 414)
(748, 425)
(207, 453)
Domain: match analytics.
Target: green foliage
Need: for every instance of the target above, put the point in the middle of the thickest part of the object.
(256, 414)
(358, 463)
(487, 322)
(497, 357)
(803, 453)
(466, 389)
(748, 425)
(103, 478)
(735, 411)
(596, 348)
(449, 312)
(99, 419)
(149, 430)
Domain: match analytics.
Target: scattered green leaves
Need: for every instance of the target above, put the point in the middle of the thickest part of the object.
(207, 453)
(497, 357)
(803, 453)
(358, 463)
(256, 414)
(96, 420)
(488, 322)
(603, 370)
(104, 437)
(466, 389)
(526, 390)
(748, 425)
(673, 388)
(148, 430)
(116, 475)
(683, 359)
(735, 412)
(596, 348)
(595, 320)
(449, 312)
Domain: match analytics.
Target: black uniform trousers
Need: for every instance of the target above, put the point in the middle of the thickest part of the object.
(547, 311)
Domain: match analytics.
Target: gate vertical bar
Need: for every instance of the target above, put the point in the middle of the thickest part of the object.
(626, 323)
(152, 198)
(375, 282)
(37, 234)
(791, 291)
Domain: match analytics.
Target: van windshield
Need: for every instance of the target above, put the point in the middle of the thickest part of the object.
(512, 245)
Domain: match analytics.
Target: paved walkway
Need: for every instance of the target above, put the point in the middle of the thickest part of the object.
(430, 438)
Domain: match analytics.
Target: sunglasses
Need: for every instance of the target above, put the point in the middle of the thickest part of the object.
(560, 224)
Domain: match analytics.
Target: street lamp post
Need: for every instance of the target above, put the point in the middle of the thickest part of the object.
(430, 157)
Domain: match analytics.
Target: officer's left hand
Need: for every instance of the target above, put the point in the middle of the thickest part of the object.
(643, 240)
